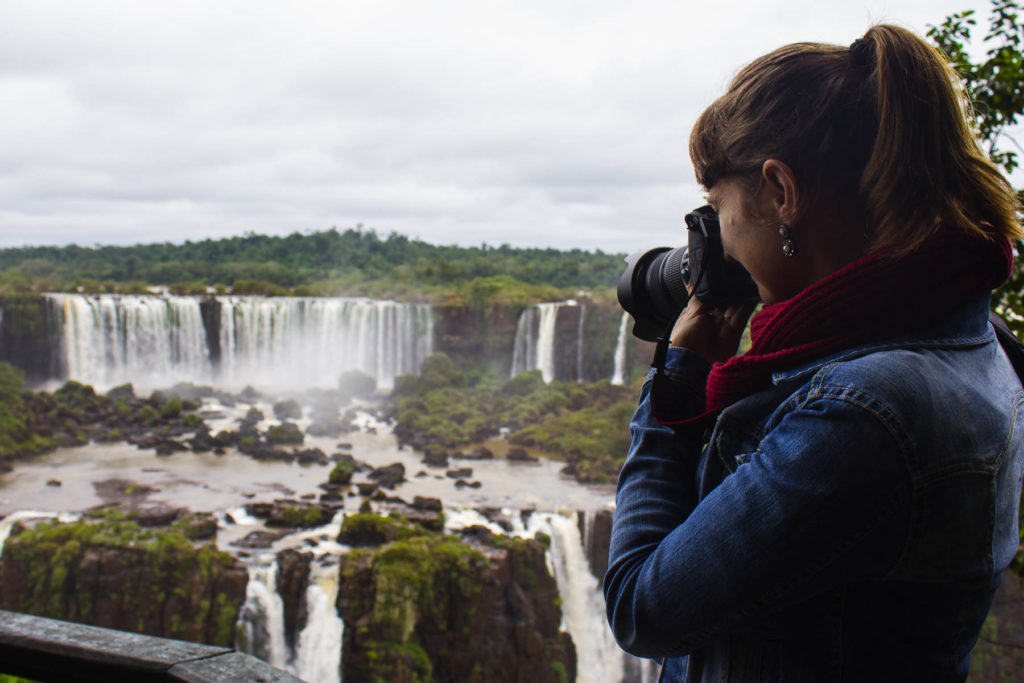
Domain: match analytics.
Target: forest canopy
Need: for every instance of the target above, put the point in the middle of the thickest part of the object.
(329, 262)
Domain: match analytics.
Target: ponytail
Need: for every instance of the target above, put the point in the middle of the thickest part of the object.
(925, 164)
(881, 126)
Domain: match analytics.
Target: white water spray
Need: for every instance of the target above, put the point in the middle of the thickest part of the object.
(288, 342)
(108, 340)
(311, 341)
(535, 340)
(261, 619)
(8, 522)
(579, 344)
(583, 609)
(619, 374)
(318, 646)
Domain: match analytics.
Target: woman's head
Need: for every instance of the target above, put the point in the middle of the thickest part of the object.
(878, 131)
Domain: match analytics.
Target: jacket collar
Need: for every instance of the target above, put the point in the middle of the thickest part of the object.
(963, 327)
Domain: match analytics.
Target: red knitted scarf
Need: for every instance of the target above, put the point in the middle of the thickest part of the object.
(873, 298)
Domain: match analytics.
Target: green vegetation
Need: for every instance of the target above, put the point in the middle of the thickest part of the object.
(368, 529)
(342, 472)
(303, 516)
(35, 422)
(173, 577)
(285, 433)
(994, 85)
(423, 605)
(585, 423)
(414, 578)
(323, 263)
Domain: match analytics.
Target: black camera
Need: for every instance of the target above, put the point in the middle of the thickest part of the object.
(653, 288)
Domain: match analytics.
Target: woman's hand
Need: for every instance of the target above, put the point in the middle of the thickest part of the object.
(712, 333)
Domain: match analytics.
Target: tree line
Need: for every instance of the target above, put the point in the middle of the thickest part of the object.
(321, 262)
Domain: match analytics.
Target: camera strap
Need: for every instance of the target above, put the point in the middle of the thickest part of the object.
(673, 403)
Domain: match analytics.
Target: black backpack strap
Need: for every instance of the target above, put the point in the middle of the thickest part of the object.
(1012, 346)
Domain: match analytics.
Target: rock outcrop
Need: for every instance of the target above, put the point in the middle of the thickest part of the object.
(114, 573)
(292, 580)
(430, 606)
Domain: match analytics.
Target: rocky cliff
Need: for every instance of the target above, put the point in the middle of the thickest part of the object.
(434, 607)
(29, 338)
(585, 339)
(111, 572)
(584, 342)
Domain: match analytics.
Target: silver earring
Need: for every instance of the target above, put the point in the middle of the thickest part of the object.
(788, 245)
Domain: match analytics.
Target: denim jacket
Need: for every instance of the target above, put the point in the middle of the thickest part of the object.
(849, 523)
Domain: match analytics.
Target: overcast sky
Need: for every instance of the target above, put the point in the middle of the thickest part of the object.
(554, 123)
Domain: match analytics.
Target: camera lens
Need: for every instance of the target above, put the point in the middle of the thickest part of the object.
(652, 289)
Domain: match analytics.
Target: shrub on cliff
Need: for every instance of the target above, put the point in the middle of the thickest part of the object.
(342, 472)
(584, 423)
(108, 571)
(432, 608)
(368, 529)
(12, 381)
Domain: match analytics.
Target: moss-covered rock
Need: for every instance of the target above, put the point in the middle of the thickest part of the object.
(285, 433)
(444, 409)
(109, 571)
(368, 529)
(342, 472)
(429, 607)
(287, 410)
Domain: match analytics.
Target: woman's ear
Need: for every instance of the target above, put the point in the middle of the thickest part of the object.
(780, 182)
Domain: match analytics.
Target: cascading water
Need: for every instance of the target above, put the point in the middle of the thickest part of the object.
(278, 341)
(579, 344)
(534, 344)
(110, 340)
(583, 609)
(261, 619)
(318, 647)
(583, 612)
(619, 374)
(271, 342)
(524, 348)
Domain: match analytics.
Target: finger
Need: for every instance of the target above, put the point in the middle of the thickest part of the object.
(739, 315)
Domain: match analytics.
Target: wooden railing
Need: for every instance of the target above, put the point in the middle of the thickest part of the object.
(52, 650)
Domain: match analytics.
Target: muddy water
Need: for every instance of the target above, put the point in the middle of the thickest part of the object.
(208, 482)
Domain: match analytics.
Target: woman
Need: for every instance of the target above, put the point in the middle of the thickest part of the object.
(838, 503)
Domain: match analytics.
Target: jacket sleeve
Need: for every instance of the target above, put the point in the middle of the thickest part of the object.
(806, 510)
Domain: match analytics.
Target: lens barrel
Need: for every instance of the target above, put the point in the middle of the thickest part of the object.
(652, 289)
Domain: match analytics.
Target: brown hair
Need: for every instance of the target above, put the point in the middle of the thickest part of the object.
(881, 125)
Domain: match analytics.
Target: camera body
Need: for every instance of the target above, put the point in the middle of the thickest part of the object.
(653, 288)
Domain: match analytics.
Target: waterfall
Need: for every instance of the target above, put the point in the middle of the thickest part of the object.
(312, 341)
(583, 612)
(619, 374)
(279, 341)
(260, 625)
(579, 345)
(108, 340)
(318, 647)
(524, 349)
(583, 608)
(534, 344)
(583, 601)
(546, 340)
